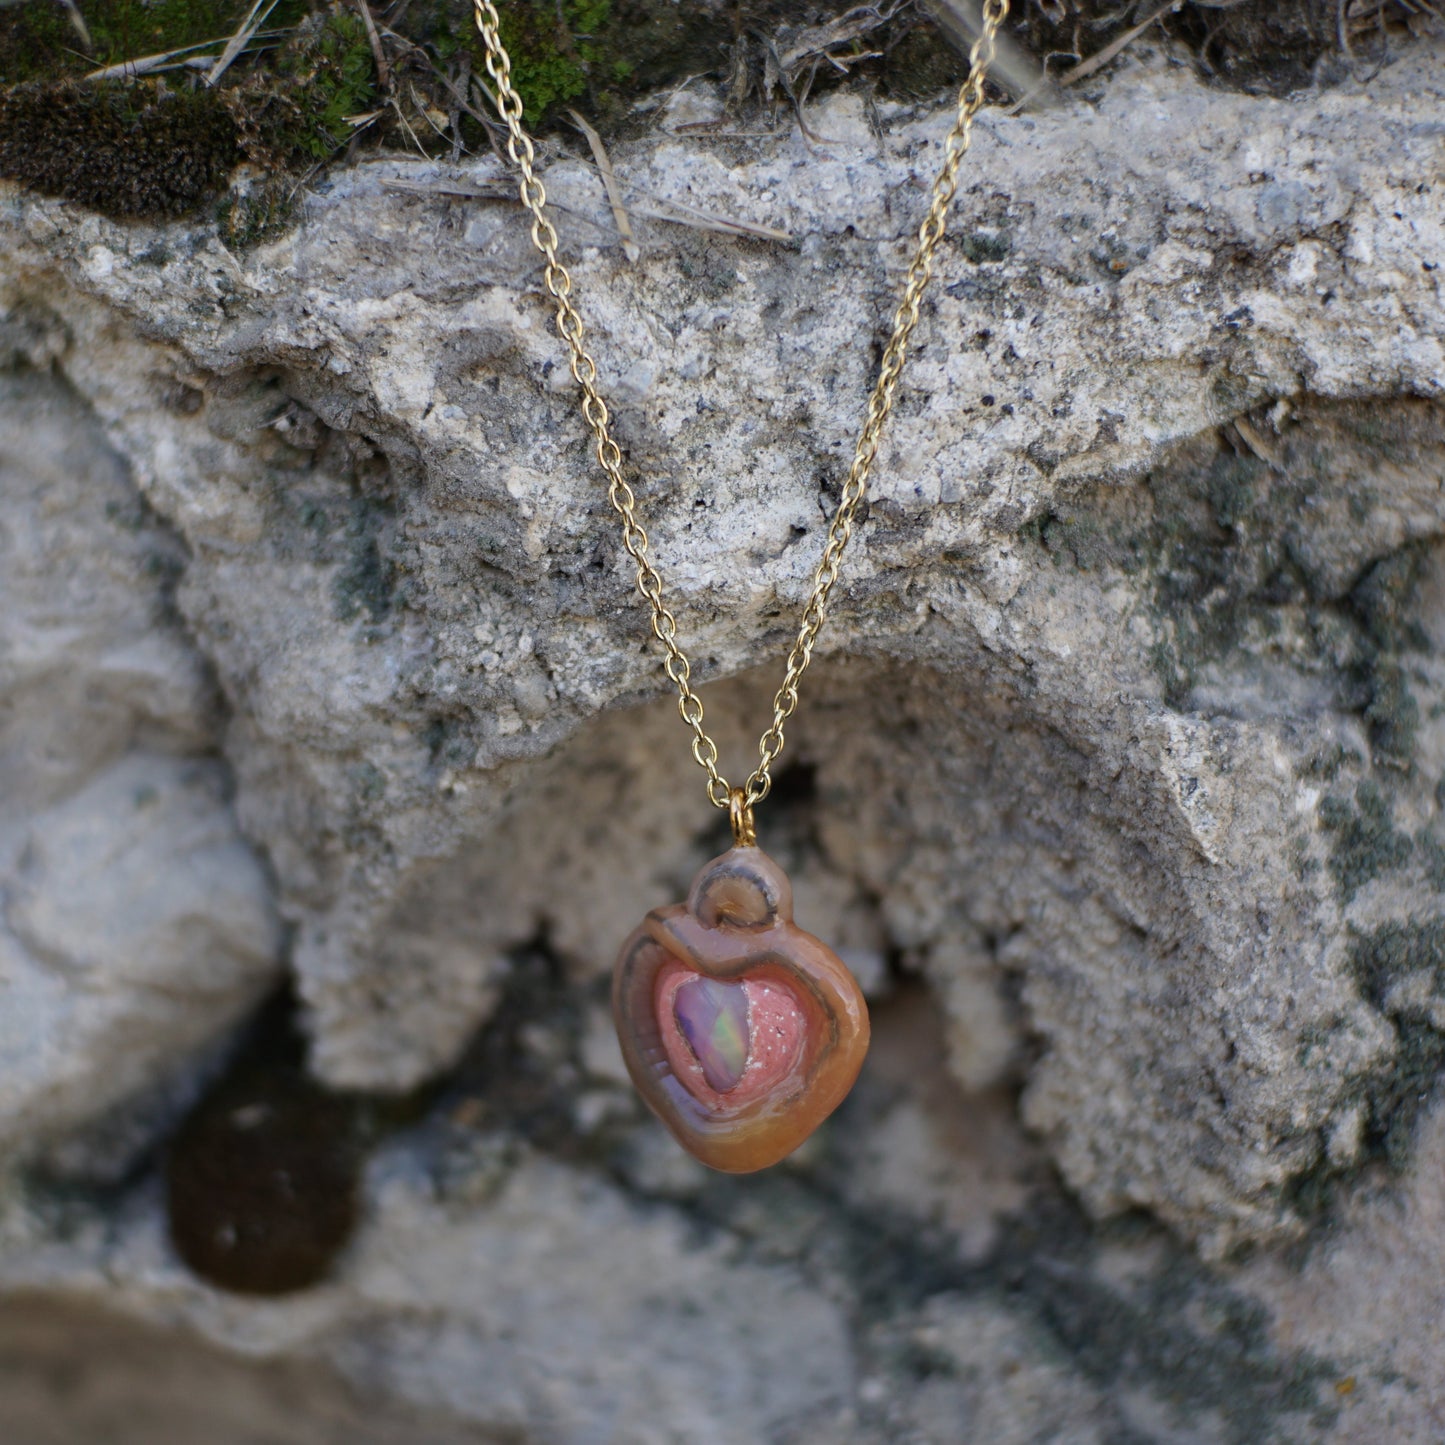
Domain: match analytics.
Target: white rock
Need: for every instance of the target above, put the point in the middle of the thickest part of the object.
(136, 926)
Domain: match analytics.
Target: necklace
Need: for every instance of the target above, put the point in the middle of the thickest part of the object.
(740, 1030)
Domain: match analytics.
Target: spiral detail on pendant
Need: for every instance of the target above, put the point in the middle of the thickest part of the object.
(741, 1031)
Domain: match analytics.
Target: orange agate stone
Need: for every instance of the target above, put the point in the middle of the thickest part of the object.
(741, 1031)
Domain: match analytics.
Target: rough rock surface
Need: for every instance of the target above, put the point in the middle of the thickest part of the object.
(1126, 736)
(136, 925)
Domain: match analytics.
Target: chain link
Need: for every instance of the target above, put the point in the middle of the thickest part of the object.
(609, 455)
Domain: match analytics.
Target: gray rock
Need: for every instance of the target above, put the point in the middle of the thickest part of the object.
(136, 926)
(1125, 736)
(917, 1280)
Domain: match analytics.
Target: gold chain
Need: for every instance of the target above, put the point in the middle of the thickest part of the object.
(609, 455)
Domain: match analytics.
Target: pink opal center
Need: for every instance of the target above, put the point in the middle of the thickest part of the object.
(729, 1043)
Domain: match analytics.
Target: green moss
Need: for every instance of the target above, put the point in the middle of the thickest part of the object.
(553, 47)
(329, 74)
(163, 147)
(597, 54)
(602, 54)
(124, 150)
(343, 82)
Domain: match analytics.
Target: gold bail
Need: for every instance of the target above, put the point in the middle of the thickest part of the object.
(740, 812)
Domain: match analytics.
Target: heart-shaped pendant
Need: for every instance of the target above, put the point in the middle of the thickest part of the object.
(741, 1031)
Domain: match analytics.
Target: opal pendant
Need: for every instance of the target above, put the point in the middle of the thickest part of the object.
(741, 1031)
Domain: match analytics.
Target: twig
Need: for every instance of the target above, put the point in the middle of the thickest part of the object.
(506, 191)
(1350, 19)
(662, 109)
(424, 113)
(454, 110)
(487, 123)
(1255, 441)
(1342, 32)
(609, 182)
(181, 58)
(785, 80)
(1101, 58)
(708, 130)
(819, 40)
(485, 191)
(255, 19)
(393, 104)
(704, 221)
(383, 70)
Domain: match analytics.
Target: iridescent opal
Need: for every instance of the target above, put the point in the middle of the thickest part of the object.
(713, 1017)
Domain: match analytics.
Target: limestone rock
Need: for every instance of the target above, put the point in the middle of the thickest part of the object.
(1125, 741)
(136, 926)
(1091, 642)
(882, 1294)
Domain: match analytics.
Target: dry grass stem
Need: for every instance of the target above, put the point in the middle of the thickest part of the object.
(483, 191)
(776, 73)
(78, 21)
(185, 57)
(151, 64)
(256, 17)
(704, 221)
(677, 213)
(609, 182)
